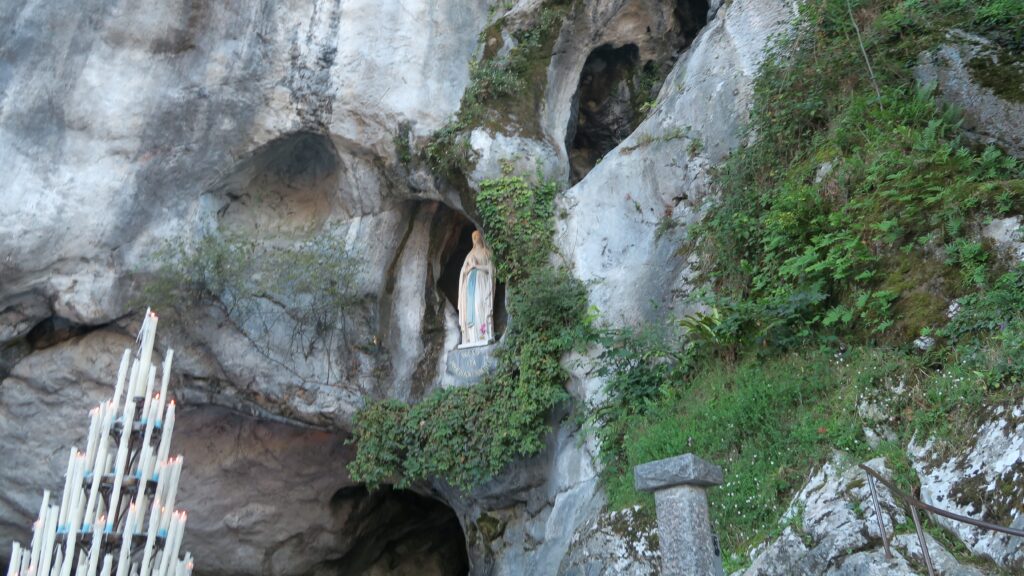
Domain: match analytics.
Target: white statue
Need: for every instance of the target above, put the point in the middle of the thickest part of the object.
(476, 295)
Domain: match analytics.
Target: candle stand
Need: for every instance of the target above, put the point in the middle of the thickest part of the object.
(116, 514)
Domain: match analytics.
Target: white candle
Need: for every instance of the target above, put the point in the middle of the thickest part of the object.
(108, 561)
(122, 457)
(172, 491)
(74, 516)
(97, 475)
(161, 478)
(38, 530)
(132, 382)
(122, 373)
(12, 569)
(164, 381)
(171, 545)
(49, 536)
(58, 563)
(154, 521)
(94, 429)
(149, 392)
(165, 434)
(126, 540)
(94, 552)
(146, 439)
(148, 338)
(69, 477)
(82, 563)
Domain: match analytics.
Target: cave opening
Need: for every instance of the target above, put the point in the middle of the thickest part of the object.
(398, 532)
(457, 246)
(286, 186)
(617, 87)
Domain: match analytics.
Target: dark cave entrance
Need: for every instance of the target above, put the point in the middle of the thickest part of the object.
(398, 532)
(616, 88)
(457, 246)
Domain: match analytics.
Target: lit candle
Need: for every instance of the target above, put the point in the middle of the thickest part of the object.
(69, 477)
(74, 517)
(173, 542)
(97, 475)
(165, 434)
(37, 530)
(172, 491)
(154, 520)
(122, 457)
(12, 569)
(164, 381)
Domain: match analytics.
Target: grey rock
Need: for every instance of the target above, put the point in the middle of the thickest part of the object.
(687, 469)
(873, 563)
(832, 516)
(1005, 233)
(952, 67)
(983, 481)
(944, 563)
(622, 542)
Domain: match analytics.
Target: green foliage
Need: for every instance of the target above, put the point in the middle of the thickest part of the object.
(900, 181)
(466, 436)
(257, 283)
(503, 90)
(840, 234)
(518, 217)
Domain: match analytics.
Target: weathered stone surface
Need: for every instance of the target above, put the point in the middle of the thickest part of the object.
(991, 101)
(468, 366)
(626, 218)
(943, 562)
(684, 531)
(617, 543)
(872, 563)
(832, 516)
(984, 481)
(687, 469)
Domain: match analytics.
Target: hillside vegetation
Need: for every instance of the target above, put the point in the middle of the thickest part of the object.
(844, 233)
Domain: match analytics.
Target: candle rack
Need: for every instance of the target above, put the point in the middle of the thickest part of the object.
(116, 514)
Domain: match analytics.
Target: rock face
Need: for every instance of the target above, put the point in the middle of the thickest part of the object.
(831, 528)
(619, 543)
(126, 126)
(985, 481)
(985, 82)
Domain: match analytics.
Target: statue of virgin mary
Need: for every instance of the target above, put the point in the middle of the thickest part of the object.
(476, 295)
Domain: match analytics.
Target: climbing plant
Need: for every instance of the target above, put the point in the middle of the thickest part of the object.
(466, 436)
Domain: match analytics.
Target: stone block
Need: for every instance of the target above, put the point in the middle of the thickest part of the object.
(676, 471)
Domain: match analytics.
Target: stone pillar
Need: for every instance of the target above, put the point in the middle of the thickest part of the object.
(688, 546)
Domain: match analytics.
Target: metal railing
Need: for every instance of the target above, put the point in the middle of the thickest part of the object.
(914, 504)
